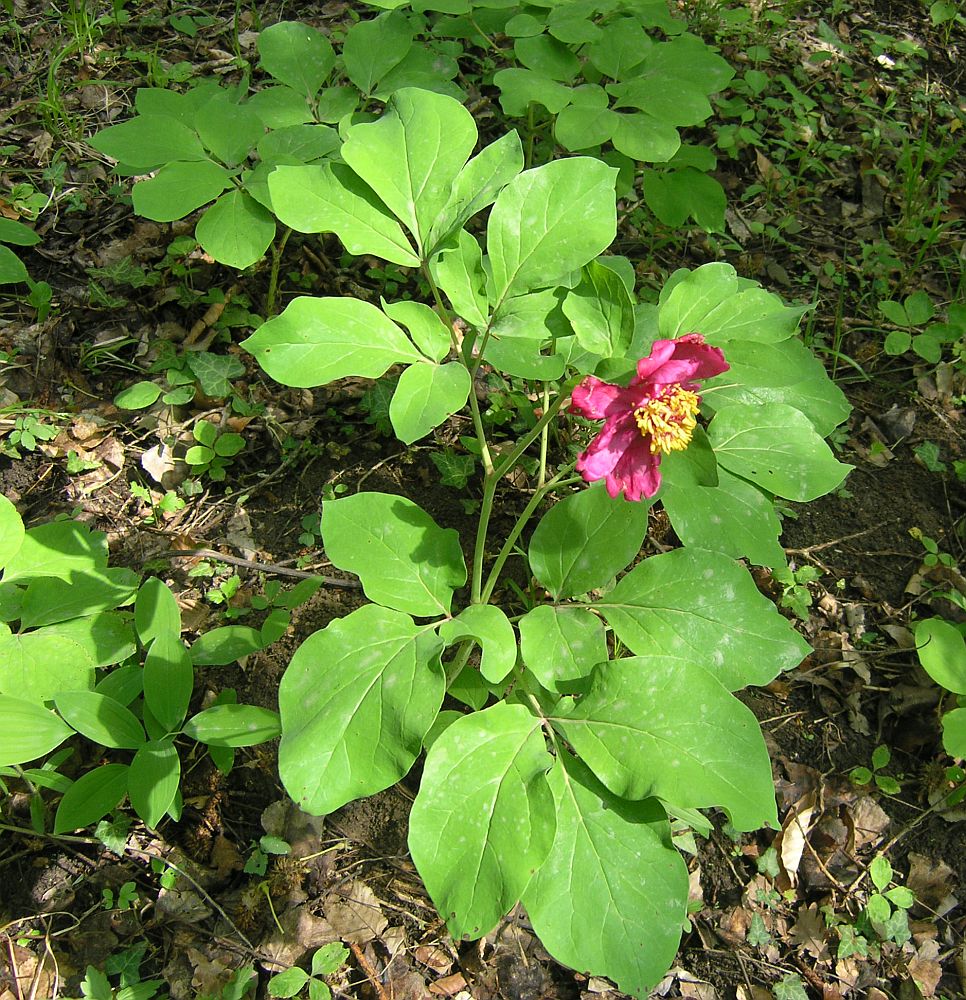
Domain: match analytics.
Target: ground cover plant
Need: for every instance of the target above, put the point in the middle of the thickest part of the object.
(568, 468)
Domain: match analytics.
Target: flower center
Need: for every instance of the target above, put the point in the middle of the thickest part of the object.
(669, 419)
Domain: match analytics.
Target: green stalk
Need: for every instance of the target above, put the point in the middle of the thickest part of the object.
(277, 250)
(511, 539)
(489, 491)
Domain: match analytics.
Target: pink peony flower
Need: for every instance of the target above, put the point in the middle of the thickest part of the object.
(653, 416)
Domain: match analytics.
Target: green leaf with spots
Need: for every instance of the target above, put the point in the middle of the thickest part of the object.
(625, 921)
(561, 645)
(663, 726)
(402, 556)
(483, 821)
(491, 628)
(776, 447)
(355, 702)
(703, 607)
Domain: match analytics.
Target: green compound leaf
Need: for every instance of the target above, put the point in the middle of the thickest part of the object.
(520, 88)
(149, 141)
(36, 666)
(404, 559)
(478, 184)
(776, 447)
(426, 394)
(625, 922)
(28, 731)
(179, 188)
(355, 702)
(550, 221)
(674, 195)
(317, 340)
(236, 230)
(704, 607)
(153, 780)
(296, 55)
(483, 821)
(663, 726)
(412, 156)
(942, 653)
(601, 311)
(734, 517)
(233, 726)
(373, 48)
(492, 629)
(585, 540)
(230, 130)
(331, 198)
(429, 333)
(91, 797)
(561, 645)
(101, 719)
(11, 530)
(714, 301)
(458, 270)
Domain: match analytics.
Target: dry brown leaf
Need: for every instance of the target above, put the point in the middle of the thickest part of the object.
(790, 842)
(811, 933)
(437, 959)
(449, 985)
(225, 857)
(932, 882)
(734, 924)
(925, 969)
(869, 821)
(355, 913)
(701, 991)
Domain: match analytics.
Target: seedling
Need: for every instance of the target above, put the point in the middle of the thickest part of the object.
(326, 961)
(214, 452)
(881, 757)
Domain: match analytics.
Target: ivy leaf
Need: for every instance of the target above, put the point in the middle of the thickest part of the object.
(454, 469)
(483, 821)
(317, 340)
(663, 726)
(402, 556)
(213, 371)
(625, 922)
(705, 607)
(776, 447)
(355, 703)
(549, 221)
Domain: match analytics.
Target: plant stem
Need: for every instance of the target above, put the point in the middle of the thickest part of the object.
(277, 250)
(489, 490)
(511, 539)
(544, 436)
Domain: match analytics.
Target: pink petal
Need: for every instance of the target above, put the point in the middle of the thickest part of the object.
(681, 360)
(597, 400)
(637, 473)
(607, 449)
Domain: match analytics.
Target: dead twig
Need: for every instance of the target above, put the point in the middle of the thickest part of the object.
(262, 567)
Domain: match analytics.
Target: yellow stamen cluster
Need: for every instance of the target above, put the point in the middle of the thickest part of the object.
(669, 419)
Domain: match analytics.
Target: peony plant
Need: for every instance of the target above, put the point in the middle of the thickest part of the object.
(572, 694)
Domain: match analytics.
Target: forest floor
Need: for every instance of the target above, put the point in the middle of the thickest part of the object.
(879, 216)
